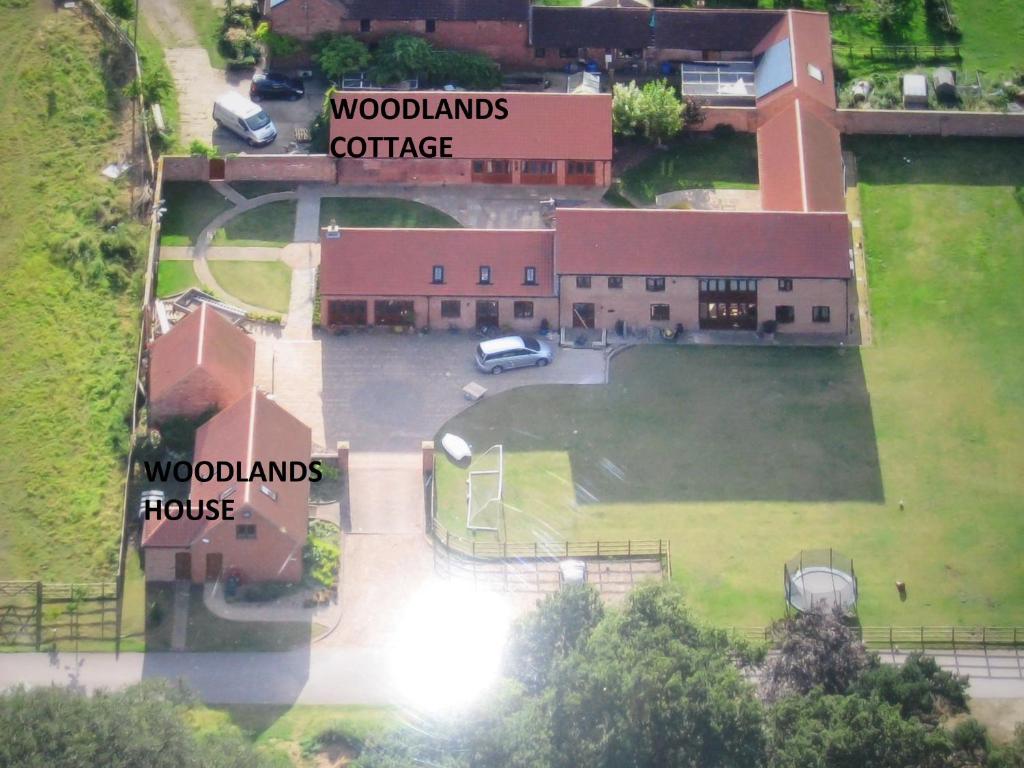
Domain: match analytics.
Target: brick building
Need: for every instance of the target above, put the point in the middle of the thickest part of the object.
(708, 270)
(497, 28)
(203, 364)
(264, 542)
(437, 278)
(545, 139)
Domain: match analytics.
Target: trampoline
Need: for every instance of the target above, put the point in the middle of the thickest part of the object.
(820, 581)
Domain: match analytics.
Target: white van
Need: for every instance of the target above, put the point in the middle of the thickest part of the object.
(242, 117)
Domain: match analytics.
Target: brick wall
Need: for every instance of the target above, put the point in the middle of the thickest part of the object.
(271, 556)
(318, 168)
(543, 309)
(441, 171)
(181, 168)
(929, 123)
(160, 564)
(741, 119)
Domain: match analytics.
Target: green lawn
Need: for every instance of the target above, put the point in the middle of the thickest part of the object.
(68, 337)
(381, 212)
(692, 162)
(272, 224)
(742, 457)
(174, 277)
(191, 206)
(265, 284)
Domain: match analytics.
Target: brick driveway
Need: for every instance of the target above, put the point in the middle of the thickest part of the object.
(388, 392)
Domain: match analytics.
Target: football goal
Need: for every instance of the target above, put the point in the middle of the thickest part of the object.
(485, 490)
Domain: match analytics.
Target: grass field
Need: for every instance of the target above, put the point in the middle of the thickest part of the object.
(695, 162)
(742, 457)
(191, 206)
(381, 212)
(265, 284)
(174, 277)
(68, 336)
(272, 224)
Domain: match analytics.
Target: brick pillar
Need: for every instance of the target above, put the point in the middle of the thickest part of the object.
(343, 456)
(427, 447)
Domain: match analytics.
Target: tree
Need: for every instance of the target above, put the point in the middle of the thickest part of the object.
(122, 9)
(400, 57)
(340, 55)
(653, 112)
(919, 687)
(893, 16)
(560, 625)
(817, 650)
(823, 731)
(141, 725)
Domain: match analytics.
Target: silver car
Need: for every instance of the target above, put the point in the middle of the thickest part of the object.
(497, 355)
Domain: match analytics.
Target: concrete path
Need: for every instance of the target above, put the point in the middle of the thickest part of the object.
(179, 621)
(286, 609)
(307, 215)
(386, 493)
(371, 676)
(229, 192)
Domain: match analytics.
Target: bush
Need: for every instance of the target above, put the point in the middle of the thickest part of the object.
(893, 16)
(321, 554)
(266, 591)
(122, 9)
(338, 55)
(198, 147)
(277, 44)
(473, 71)
(238, 44)
(400, 57)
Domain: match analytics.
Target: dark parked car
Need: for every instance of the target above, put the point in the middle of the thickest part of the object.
(272, 85)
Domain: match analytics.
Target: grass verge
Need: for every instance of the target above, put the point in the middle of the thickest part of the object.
(191, 206)
(175, 276)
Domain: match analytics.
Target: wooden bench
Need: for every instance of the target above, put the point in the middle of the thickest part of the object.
(474, 391)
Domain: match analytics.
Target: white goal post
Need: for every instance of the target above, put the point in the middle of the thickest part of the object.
(485, 490)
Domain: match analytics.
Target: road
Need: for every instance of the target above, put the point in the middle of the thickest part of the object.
(353, 675)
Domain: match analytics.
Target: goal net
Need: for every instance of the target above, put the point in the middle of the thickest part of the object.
(484, 490)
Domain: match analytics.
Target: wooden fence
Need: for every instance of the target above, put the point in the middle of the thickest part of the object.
(34, 613)
(913, 638)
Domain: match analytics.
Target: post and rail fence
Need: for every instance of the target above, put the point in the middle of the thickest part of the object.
(910, 638)
(34, 614)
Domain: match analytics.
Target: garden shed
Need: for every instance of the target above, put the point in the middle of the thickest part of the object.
(944, 83)
(915, 91)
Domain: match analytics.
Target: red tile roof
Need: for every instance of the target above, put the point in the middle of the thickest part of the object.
(399, 262)
(539, 126)
(701, 243)
(799, 159)
(204, 340)
(254, 429)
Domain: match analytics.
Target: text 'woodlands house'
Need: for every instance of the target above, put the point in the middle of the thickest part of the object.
(264, 540)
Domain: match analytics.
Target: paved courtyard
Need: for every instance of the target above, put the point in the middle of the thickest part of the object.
(388, 392)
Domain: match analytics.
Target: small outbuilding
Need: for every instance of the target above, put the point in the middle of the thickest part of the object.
(944, 83)
(203, 363)
(915, 91)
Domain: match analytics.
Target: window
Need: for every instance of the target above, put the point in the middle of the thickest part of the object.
(580, 168)
(539, 167)
(451, 308)
(659, 312)
(523, 310)
(438, 274)
(615, 283)
(364, 25)
(816, 73)
(784, 314)
(245, 531)
(539, 53)
(821, 314)
(431, 25)
(785, 284)
(582, 281)
(227, 493)
(485, 275)
(655, 284)
(530, 276)
(500, 167)
(569, 53)
(269, 492)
